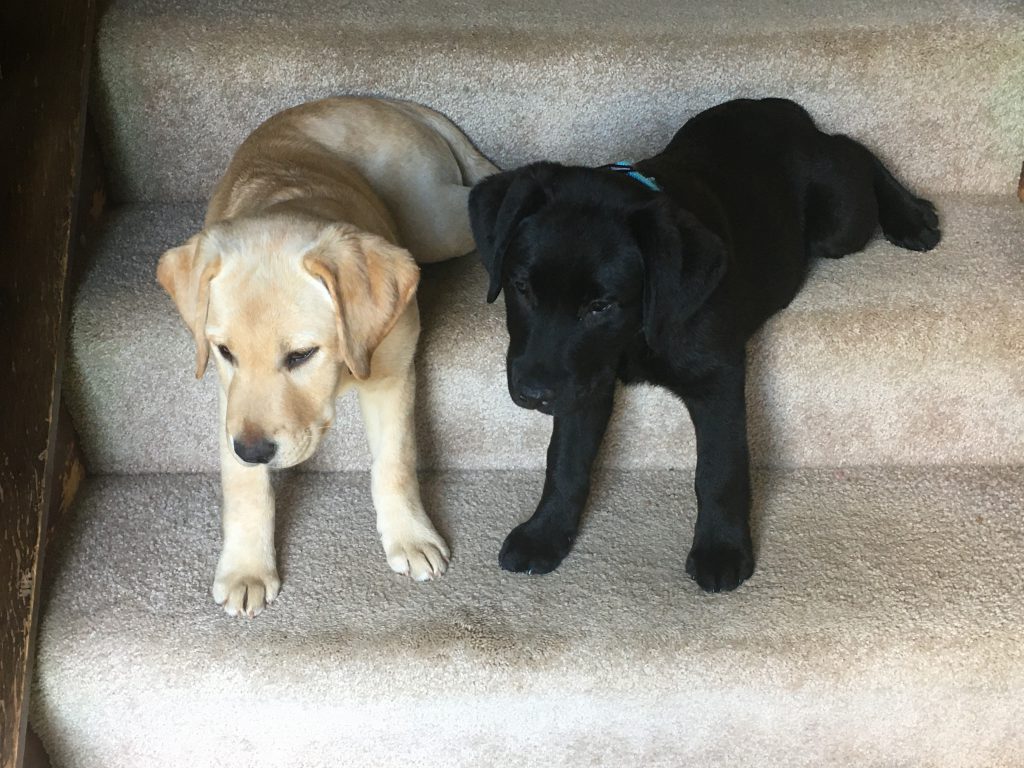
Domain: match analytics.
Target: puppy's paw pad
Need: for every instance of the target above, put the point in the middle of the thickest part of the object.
(246, 592)
(421, 558)
(534, 550)
(720, 568)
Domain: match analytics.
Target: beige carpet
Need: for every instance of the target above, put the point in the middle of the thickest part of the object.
(933, 86)
(882, 628)
(884, 624)
(887, 357)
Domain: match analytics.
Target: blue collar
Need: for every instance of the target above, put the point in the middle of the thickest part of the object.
(623, 167)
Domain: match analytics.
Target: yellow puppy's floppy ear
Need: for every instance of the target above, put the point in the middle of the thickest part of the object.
(371, 281)
(185, 273)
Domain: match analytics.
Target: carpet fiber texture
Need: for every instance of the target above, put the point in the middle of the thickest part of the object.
(933, 87)
(887, 357)
(882, 627)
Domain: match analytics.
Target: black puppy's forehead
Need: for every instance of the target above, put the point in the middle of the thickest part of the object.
(577, 253)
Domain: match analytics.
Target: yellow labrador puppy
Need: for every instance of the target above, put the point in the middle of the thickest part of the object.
(302, 282)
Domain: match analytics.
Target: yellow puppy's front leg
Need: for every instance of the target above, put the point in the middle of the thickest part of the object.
(411, 544)
(246, 578)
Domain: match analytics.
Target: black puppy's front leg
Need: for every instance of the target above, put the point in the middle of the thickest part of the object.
(543, 541)
(722, 556)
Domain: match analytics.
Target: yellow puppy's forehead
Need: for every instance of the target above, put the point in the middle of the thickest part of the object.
(268, 307)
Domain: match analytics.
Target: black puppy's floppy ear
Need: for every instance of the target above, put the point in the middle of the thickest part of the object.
(496, 207)
(684, 262)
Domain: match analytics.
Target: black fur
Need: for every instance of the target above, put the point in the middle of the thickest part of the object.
(605, 279)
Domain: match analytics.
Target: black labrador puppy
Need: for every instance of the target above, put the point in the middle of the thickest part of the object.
(661, 272)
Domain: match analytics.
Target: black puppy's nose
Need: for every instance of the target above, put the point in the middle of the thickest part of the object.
(533, 396)
(256, 452)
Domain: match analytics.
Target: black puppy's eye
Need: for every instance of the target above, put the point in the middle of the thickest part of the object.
(294, 359)
(599, 306)
(520, 285)
(226, 353)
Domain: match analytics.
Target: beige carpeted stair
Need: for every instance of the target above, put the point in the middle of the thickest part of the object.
(882, 628)
(887, 357)
(884, 625)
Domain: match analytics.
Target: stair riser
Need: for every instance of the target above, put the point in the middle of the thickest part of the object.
(525, 99)
(860, 408)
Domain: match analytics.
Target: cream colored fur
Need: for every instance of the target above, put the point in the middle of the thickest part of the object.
(310, 243)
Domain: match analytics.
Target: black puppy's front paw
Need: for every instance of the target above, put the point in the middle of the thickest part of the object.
(720, 567)
(534, 549)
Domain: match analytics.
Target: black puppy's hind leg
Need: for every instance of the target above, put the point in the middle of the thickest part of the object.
(541, 543)
(840, 204)
(907, 221)
(850, 193)
(722, 556)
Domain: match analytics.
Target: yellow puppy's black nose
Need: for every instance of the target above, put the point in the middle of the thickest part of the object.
(259, 451)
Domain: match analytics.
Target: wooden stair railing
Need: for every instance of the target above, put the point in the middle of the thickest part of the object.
(45, 48)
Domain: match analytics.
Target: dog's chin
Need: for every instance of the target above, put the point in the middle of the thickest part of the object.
(295, 455)
(547, 410)
(581, 398)
(551, 409)
(286, 462)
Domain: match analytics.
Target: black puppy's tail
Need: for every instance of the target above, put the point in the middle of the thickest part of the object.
(907, 221)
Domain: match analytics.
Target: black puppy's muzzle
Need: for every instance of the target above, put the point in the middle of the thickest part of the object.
(533, 396)
(529, 390)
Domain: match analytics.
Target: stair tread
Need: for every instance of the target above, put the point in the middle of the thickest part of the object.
(883, 623)
(932, 86)
(886, 357)
(738, 17)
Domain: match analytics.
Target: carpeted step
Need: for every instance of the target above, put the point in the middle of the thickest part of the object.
(887, 357)
(934, 87)
(882, 627)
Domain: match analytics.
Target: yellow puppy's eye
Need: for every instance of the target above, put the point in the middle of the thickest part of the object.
(226, 353)
(294, 359)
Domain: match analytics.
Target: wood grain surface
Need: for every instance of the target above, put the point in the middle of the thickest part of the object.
(44, 62)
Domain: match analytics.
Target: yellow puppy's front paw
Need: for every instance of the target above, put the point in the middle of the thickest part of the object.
(245, 591)
(420, 554)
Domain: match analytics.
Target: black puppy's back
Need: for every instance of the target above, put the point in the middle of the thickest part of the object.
(747, 140)
(781, 192)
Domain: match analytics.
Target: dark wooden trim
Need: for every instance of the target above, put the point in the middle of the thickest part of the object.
(69, 472)
(35, 753)
(67, 456)
(45, 48)
(92, 203)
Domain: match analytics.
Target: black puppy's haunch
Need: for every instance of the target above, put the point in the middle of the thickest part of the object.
(606, 279)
